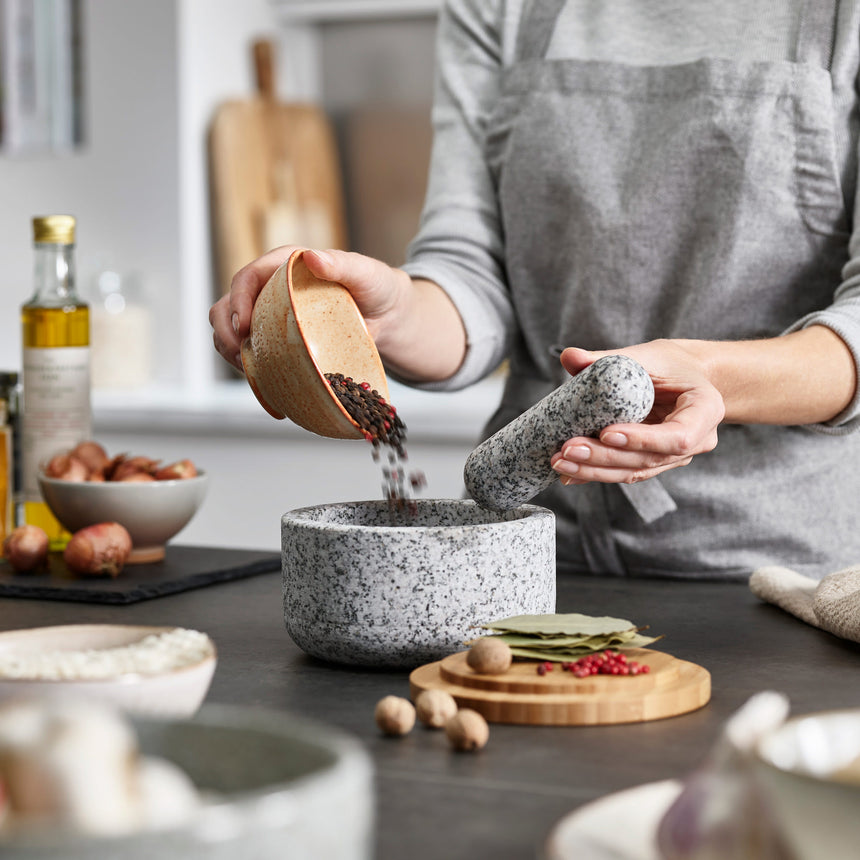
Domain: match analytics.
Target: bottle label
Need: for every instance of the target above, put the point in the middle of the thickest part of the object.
(57, 413)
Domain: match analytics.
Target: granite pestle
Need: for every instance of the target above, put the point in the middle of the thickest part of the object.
(513, 465)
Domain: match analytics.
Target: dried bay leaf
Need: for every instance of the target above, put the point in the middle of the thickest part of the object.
(562, 655)
(583, 641)
(565, 624)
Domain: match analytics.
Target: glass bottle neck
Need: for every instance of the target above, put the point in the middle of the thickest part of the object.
(54, 273)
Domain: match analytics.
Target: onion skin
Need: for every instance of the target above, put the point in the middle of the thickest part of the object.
(67, 467)
(98, 550)
(92, 454)
(26, 549)
(176, 471)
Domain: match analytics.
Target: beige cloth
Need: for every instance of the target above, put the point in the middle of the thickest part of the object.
(833, 604)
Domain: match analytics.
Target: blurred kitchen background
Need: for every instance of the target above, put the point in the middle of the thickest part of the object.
(108, 110)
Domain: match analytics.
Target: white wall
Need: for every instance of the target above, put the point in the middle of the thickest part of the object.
(153, 72)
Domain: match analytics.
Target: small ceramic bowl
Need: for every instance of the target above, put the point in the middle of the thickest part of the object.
(273, 786)
(363, 588)
(173, 692)
(152, 511)
(301, 329)
(809, 768)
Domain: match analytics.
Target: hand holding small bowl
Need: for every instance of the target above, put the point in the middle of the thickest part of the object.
(302, 328)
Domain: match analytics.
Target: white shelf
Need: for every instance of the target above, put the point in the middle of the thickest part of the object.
(229, 408)
(309, 11)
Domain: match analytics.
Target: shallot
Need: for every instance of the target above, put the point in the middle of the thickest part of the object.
(26, 548)
(98, 550)
(67, 467)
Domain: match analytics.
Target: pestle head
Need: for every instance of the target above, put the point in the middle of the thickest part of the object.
(513, 465)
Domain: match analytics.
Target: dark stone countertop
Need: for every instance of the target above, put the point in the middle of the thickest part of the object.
(501, 802)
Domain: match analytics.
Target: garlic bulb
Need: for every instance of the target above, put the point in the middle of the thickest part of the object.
(720, 812)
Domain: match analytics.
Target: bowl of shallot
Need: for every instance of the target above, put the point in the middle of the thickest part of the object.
(153, 500)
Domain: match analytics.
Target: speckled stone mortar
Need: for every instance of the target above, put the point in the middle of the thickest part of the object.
(362, 591)
(513, 465)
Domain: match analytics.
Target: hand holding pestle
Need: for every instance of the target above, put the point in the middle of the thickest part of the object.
(513, 465)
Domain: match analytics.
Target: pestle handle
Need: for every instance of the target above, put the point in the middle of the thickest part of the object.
(513, 465)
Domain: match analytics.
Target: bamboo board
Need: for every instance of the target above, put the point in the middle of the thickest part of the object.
(558, 698)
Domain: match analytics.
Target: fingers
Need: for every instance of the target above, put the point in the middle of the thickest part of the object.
(230, 316)
(573, 359)
(627, 453)
(246, 286)
(369, 280)
(224, 336)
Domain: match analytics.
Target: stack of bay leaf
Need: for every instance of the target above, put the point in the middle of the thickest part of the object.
(565, 637)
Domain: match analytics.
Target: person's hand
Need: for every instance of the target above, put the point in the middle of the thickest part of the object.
(374, 285)
(683, 421)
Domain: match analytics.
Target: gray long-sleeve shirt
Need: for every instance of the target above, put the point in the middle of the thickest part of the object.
(760, 498)
(460, 244)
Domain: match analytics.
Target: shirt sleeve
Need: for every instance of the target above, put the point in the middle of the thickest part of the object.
(843, 317)
(459, 243)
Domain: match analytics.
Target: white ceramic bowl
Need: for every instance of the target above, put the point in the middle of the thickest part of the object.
(277, 787)
(178, 692)
(153, 512)
(799, 765)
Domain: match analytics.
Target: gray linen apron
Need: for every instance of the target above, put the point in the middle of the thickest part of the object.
(699, 200)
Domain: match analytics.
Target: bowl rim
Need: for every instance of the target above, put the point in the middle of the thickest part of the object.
(123, 678)
(766, 762)
(201, 476)
(347, 758)
(301, 516)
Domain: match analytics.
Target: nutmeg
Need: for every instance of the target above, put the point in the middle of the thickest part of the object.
(395, 715)
(467, 731)
(490, 656)
(435, 707)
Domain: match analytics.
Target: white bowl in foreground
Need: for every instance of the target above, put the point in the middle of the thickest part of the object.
(151, 671)
(810, 770)
(152, 511)
(274, 787)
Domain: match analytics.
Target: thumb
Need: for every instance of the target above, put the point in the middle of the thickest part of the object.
(574, 359)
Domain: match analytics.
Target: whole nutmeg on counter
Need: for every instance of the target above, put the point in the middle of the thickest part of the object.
(490, 656)
(467, 731)
(98, 550)
(395, 715)
(435, 707)
(26, 549)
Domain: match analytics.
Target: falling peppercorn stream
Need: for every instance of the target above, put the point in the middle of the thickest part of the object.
(382, 427)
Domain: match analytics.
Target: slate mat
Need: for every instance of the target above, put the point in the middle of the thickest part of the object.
(183, 568)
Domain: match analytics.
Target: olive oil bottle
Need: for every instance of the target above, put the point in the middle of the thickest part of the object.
(55, 335)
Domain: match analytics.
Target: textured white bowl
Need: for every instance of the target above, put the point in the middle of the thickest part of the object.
(796, 763)
(177, 693)
(152, 511)
(279, 787)
(359, 590)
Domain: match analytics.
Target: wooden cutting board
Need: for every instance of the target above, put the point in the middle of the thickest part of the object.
(522, 696)
(275, 176)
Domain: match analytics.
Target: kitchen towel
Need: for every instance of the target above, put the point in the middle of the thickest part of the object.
(832, 604)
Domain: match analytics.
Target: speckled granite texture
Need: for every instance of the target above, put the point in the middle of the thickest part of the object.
(513, 465)
(361, 591)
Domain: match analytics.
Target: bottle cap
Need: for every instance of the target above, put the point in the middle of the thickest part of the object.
(54, 229)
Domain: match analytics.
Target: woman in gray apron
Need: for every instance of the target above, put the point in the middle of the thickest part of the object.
(673, 180)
